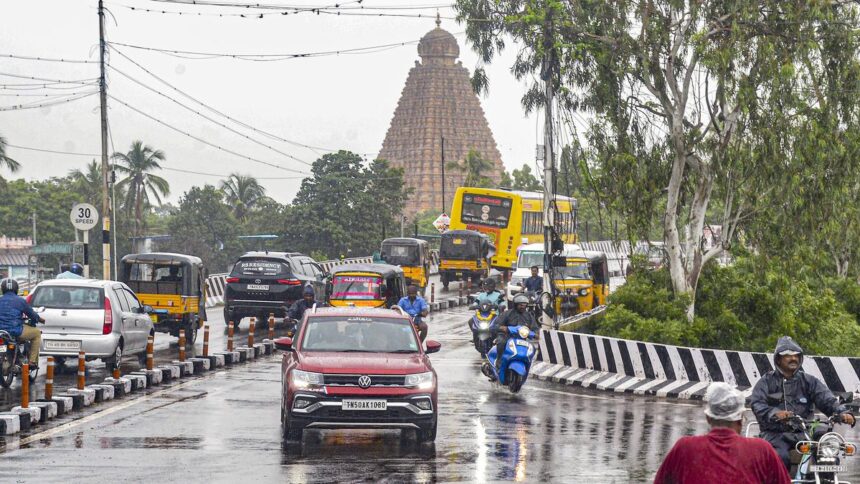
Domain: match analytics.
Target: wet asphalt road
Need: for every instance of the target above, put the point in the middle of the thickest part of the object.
(224, 427)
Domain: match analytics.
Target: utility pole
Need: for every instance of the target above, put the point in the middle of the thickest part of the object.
(443, 175)
(34, 229)
(548, 161)
(106, 206)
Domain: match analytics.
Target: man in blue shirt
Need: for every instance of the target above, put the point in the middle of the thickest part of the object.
(417, 307)
(12, 309)
(535, 282)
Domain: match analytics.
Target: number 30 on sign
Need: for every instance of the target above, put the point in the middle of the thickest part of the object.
(84, 216)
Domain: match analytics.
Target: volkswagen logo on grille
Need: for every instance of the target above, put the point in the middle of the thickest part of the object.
(257, 281)
(364, 381)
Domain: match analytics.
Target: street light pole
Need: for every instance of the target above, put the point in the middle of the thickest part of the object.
(106, 212)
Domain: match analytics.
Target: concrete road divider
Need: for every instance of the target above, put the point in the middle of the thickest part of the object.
(269, 346)
(9, 423)
(88, 394)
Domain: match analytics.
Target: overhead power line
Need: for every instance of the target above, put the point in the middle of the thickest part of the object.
(56, 81)
(175, 101)
(208, 143)
(18, 107)
(48, 59)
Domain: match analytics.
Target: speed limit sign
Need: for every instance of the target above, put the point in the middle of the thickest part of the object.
(84, 216)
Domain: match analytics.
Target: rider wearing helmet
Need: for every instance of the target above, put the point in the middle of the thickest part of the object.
(490, 294)
(76, 271)
(516, 316)
(297, 310)
(12, 308)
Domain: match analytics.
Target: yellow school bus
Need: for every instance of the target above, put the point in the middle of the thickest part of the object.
(510, 219)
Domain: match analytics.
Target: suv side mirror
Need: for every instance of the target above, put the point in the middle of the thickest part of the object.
(284, 344)
(433, 346)
(146, 309)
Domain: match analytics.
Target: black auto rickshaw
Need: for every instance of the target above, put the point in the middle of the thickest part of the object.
(412, 255)
(464, 255)
(174, 285)
(366, 285)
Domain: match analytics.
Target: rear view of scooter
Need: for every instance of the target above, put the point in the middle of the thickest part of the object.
(483, 326)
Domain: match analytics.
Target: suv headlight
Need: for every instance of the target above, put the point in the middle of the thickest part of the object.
(828, 447)
(306, 379)
(424, 381)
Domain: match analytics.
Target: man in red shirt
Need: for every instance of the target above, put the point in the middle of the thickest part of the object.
(723, 455)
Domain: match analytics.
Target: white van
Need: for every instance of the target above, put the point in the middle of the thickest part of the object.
(529, 255)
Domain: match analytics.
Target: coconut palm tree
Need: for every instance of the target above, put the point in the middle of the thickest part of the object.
(5, 160)
(140, 185)
(88, 182)
(474, 167)
(243, 193)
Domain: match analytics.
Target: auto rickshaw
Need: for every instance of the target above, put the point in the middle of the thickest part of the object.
(366, 285)
(174, 285)
(582, 283)
(464, 255)
(412, 255)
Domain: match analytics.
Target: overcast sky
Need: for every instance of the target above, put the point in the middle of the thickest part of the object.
(344, 101)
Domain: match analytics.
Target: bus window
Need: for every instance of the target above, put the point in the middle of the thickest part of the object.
(486, 210)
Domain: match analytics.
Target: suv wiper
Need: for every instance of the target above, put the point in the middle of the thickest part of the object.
(355, 351)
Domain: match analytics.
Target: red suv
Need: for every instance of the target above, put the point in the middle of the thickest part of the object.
(354, 367)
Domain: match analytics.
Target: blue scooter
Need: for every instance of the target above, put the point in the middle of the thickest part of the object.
(517, 359)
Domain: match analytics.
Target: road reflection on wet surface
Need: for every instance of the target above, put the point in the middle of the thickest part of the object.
(225, 427)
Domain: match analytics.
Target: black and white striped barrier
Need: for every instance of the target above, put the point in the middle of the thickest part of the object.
(215, 285)
(642, 368)
(22, 419)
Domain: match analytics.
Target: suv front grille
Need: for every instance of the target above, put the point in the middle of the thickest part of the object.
(375, 380)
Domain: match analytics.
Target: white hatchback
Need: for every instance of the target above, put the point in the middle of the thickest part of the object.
(104, 319)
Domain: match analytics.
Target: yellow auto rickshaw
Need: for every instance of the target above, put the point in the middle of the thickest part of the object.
(366, 285)
(464, 255)
(412, 255)
(582, 283)
(174, 285)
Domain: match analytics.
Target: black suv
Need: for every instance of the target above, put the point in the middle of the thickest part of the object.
(269, 282)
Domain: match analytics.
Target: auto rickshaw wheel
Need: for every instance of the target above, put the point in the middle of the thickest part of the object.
(190, 332)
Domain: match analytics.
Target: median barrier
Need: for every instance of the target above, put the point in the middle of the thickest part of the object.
(643, 368)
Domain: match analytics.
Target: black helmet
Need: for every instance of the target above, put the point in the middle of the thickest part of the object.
(489, 283)
(9, 285)
(77, 269)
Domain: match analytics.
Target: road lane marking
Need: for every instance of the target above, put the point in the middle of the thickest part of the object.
(601, 397)
(89, 418)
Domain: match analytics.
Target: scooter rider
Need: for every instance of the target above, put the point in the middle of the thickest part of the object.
(76, 271)
(417, 307)
(490, 294)
(297, 310)
(788, 391)
(516, 316)
(12, 308)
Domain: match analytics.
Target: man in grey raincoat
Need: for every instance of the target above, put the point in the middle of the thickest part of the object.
(787, 391)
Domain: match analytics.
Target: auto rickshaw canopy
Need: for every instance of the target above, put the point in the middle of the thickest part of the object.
(144, 273)
(465, 245)
(405, 251)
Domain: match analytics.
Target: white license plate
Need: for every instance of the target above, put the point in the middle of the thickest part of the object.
(364, 405)
(523, 342)
(258, 287)
(62, 345)
(823, 468)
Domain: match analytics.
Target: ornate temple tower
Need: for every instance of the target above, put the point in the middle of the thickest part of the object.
(437, 101)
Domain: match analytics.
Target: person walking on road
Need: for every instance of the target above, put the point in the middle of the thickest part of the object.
(723, 455)
(417, 307)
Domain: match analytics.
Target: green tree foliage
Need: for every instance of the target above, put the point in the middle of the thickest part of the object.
(475, 167)
(746, 306)
(9, 163)
(523, 179)
(243, 193)
(140, 185)
(204, 226)
(88, 182)
(342, 208)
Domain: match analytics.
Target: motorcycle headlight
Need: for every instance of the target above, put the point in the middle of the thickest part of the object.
(306, 379)
(423, 381)
(828, 447)
(484, 325)
(524, 332)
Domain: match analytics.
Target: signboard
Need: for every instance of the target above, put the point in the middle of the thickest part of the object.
(84, 216)
(442, 222)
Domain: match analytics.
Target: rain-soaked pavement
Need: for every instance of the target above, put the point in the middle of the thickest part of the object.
(224, 427)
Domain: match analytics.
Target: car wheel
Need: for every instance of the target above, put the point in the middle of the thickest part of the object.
(290, 433)
(426, 434)
(114, 361)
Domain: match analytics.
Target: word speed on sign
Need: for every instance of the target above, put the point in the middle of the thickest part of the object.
(84, 216)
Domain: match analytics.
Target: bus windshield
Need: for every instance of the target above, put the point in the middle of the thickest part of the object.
(486, 210)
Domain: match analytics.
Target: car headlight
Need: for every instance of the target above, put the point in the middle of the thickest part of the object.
(423, 381)
(583, 292)
(524, 332)
(828, 447)
(306, 379)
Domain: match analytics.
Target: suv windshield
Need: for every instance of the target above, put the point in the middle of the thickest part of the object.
(529, 259)
(261, 267)
(359, 334)
(68, 297)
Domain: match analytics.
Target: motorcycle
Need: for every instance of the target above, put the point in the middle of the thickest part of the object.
(13, 356)
(517, 359)
(483, 325)
(817, 456)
